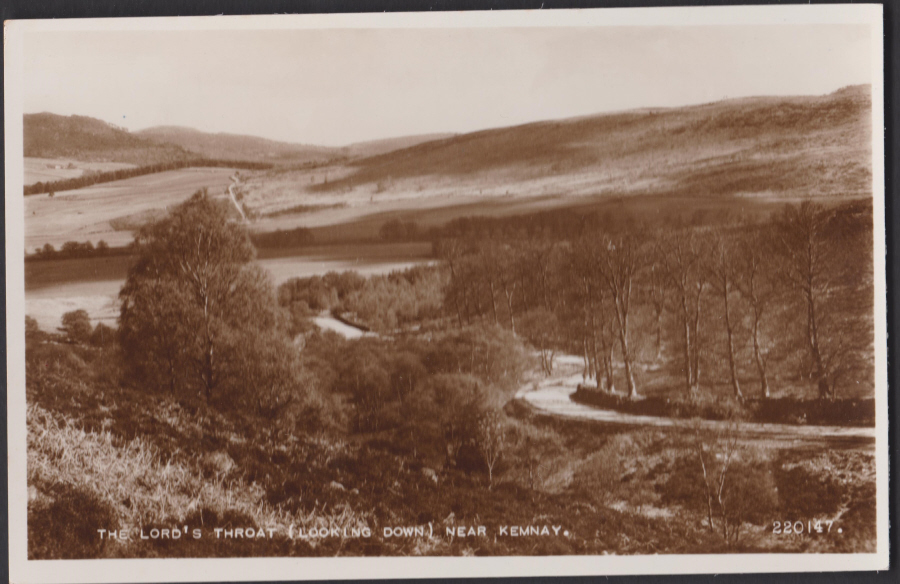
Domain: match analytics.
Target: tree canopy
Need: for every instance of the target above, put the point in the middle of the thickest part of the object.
(195, 305)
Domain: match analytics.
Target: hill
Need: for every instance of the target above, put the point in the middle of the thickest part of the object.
(238, 147)
(376, 147)
(764, 146)
(86, 139)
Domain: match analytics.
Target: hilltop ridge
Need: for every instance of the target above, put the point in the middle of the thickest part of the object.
(48, 135)
(743, 146)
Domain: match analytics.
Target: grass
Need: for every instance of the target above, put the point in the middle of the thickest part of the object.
(85, 214)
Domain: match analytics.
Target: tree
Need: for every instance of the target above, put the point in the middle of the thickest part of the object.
(755, 284)
(406, 372)
(193, 297)
(270, 365)
(366, 379)
(618, 261)
(453, 403)
(76, 325)
(594, 319)
(542, 329)
(33, 332)
(681, 259)
(721, 477)
(722, 268)
(655, 291)
(490, 438)
(826, 261)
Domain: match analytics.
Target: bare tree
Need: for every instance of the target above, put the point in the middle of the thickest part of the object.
(655, 291)
(680, 253)
(723, 275)
(715, 454)
(755, 285)
(491, 440)
(597, 342)
(618, 262)
(824, 259)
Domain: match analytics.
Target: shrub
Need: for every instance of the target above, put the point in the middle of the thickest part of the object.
(63, 522)
(76, 325)
(807, 493)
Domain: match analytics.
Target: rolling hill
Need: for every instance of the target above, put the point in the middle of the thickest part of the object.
(242, 147)
(82, 138)
(86, 139)
(237, 147)
(764, 146)
(376, 147)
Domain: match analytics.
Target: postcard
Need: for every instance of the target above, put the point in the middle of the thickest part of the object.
(563, 292)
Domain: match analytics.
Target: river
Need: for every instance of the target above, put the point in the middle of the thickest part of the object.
(100, 298)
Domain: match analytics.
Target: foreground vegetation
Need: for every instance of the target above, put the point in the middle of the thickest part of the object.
(217, 404)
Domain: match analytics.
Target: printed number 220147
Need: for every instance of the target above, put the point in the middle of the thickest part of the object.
(800, 527)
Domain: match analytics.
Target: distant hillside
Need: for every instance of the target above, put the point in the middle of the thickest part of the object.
(765, 146)
(376, 147)
(238, 147)
(88, 139)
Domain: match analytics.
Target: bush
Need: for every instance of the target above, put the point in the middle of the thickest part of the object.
(748, 495)
(803, 492)
(63, 521)
(76, 325)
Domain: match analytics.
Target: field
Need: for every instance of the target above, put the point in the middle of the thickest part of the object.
(86, 214)
(52, 169)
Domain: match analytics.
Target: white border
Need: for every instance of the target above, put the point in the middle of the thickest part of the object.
(172, 570)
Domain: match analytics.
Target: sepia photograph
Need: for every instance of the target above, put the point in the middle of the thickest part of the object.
(603, 285)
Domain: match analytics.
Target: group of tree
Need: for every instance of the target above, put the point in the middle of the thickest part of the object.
(92, 178)
(382, 303)
(72, 250)
(733, 297)
(283, 238)
(442, 399)
(200, 318)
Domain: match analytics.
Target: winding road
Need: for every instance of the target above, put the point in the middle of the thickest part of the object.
(552, 396)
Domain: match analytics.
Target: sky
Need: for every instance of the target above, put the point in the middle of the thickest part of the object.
(339, 86)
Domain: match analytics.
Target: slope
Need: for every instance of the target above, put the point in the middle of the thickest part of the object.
(765, 146)
(82, 138)
(238, 147)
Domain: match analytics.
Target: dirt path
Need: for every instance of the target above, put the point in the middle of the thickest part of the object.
(234, 182)
(552, 396)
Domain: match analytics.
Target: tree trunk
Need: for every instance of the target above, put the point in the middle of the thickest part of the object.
(493, 301)
(812, 329)
(629, 375)
(658, 336)
(695, 386)
(688, 359)
(735, 384)
(512, 320)
(757, 354)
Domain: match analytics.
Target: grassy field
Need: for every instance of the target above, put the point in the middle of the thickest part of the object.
(43, 169)
(87, 214)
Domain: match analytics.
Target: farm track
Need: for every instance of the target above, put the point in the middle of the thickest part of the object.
(552, 396)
